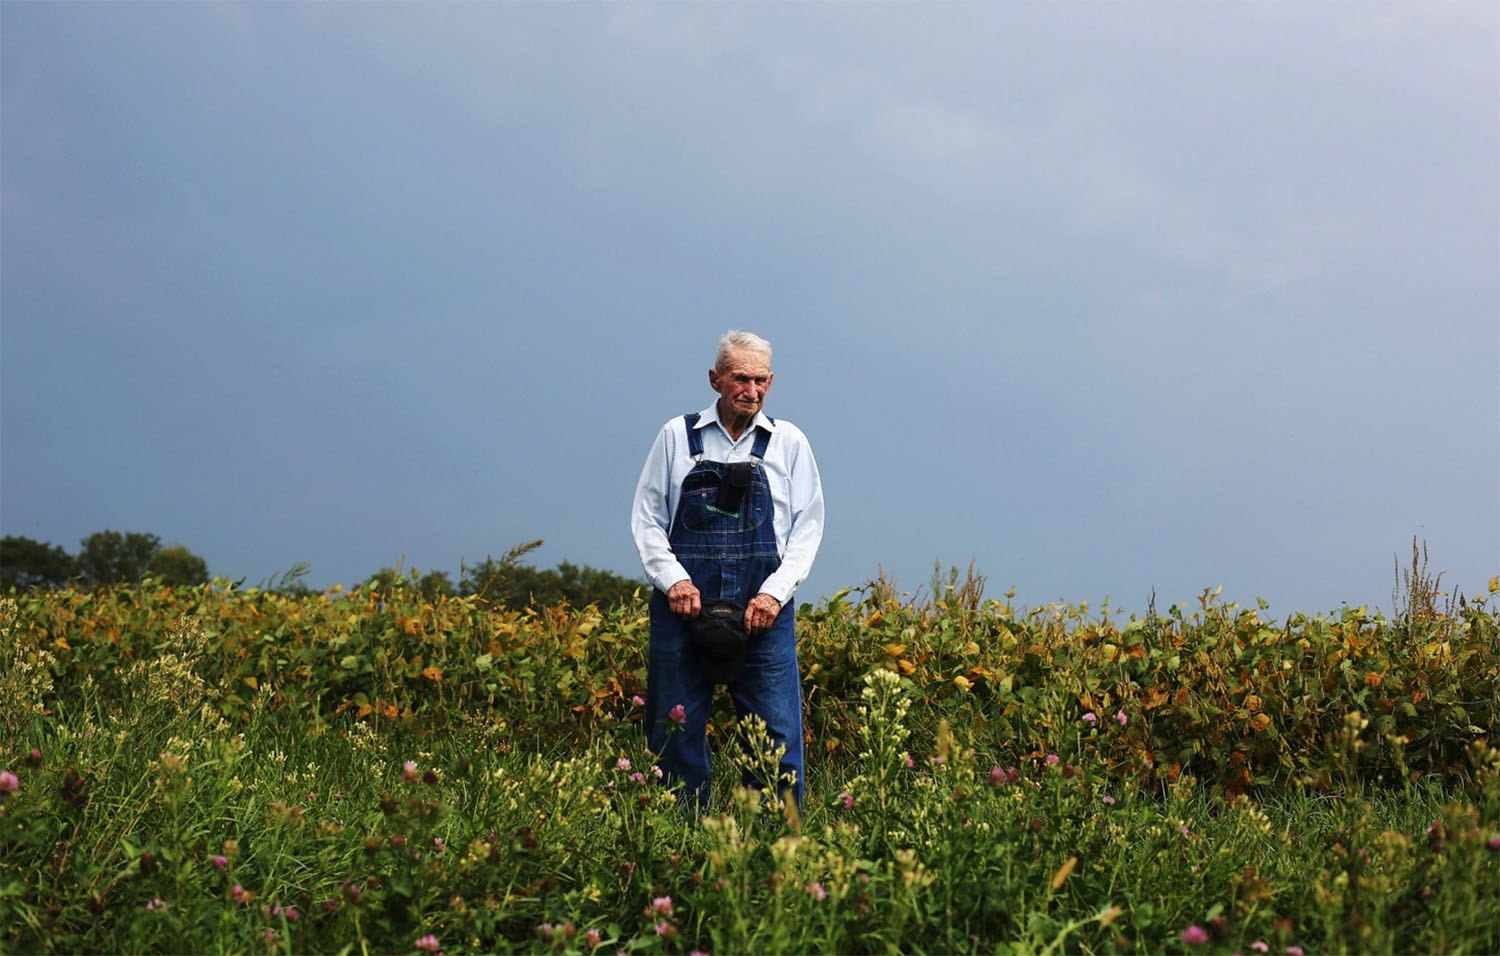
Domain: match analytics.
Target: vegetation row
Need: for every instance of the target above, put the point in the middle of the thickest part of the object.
(226, 769)
(1222, 692)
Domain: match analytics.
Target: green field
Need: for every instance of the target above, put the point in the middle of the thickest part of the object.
(214, 769)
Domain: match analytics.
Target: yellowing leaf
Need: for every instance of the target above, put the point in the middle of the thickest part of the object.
(252, 683)
(1063, 872)
(61, 644)
(432, 672)
(945, 739)
(906, 667)
(894, 650)
(1260, 722)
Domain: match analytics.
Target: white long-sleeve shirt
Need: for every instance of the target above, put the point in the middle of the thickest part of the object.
(796, 496)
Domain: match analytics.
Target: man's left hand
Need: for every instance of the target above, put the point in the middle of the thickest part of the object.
(761, 613)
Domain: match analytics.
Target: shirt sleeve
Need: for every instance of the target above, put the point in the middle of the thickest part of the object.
(651, 515)
(806, 534)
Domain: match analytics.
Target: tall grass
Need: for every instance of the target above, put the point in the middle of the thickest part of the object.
(201, 770)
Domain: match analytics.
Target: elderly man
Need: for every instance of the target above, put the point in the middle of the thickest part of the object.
(727, 518)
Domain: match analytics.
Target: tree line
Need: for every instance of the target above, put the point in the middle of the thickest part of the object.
(104, 558)
(108, 558)
(509, 581)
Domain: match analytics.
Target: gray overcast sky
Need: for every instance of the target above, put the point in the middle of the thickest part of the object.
(1110, 298)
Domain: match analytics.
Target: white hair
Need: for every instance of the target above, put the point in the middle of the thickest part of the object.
(736, 341)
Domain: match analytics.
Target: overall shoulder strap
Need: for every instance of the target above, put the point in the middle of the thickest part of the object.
(694, 436)
(762, 442)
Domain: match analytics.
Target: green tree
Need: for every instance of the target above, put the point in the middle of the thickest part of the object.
(490, 579)
(435, 584)
(431, 585)
(25, 563)
(386, 579)
(178, 567)
(109, 557)
(514, 584)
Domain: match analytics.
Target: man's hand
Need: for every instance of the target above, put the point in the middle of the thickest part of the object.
(684, 599)
(761, 613)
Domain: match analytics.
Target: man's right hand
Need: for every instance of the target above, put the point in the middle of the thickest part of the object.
(684, 599)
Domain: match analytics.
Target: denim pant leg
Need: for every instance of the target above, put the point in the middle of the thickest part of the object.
(672, 678)
(771, 687)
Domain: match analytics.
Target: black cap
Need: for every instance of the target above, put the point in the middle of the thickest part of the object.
(719, 639)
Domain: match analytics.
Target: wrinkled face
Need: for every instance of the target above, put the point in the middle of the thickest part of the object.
(742, 381)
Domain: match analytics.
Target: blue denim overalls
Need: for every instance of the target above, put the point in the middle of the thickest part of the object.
(728, 556)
